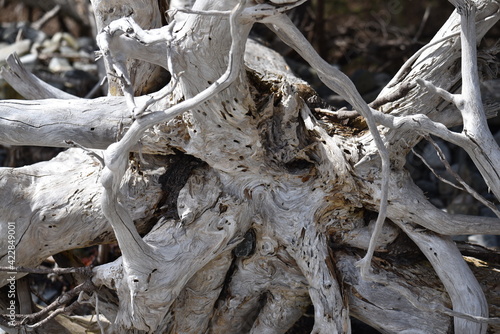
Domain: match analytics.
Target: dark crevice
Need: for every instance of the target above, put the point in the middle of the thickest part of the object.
(180, 167)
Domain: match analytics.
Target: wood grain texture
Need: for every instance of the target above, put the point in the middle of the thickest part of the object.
(274, 210)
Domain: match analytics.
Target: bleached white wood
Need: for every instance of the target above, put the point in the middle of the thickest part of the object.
(341, 84)
(48, 221)
(195, 305)
(146, 13)
(407, 200)
(430, 66)
(270, 275)
(394, 309)
(149, 286)
(27, 84)
(95, 124)
(481, 145)
(270, 166)
(464, 290)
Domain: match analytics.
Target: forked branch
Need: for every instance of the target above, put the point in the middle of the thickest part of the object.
(341, 84)
(479, 142)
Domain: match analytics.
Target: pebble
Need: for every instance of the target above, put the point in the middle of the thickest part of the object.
(21, 48)
(58, 64)
(86, 67)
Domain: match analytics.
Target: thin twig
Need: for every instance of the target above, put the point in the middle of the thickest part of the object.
(97, 313)
(46, 17)
(86, 271)
(464, 184)
(56, 307)
(65, 309)
(422, 23)
(442, 179)
(140, 110)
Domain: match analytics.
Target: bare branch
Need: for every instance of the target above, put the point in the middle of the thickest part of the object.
(464, 184)
(452, 98)
(27, 84)
(407, 202)
(480, 143)
(442, 179)
(340, 83)
(94, 124)
(465, 292)
(46, 17)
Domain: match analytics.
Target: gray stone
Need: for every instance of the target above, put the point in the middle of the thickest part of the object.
(58, 64)
(21, 48)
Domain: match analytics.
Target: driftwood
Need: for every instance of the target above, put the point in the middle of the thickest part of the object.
(234, 207)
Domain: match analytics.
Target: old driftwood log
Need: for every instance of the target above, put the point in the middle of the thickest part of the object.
(234, 206)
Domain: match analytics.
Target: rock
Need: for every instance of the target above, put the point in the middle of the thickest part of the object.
(58, 64)
(63, 38)
(69, 52)
(86, 67)
(21, 48)
(36, 36)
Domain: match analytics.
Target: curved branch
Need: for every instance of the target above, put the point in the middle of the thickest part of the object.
(140, 259)
(341, 84)
(481, 146)
(27, 84)
(465, 292)
(408, 202)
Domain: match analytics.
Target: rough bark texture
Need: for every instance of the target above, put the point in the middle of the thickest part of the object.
(234, 207)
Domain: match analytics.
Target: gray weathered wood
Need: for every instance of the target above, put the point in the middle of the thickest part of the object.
(265, 163)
